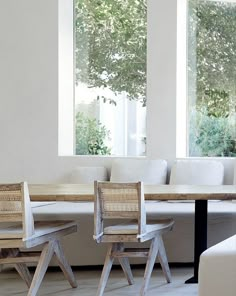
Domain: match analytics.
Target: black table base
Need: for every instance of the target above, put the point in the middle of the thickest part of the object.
(200, 236)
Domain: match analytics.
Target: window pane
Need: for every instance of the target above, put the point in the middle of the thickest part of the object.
(211, 78)
(110, 77)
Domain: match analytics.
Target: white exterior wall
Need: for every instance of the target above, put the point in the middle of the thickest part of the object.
(29, 91)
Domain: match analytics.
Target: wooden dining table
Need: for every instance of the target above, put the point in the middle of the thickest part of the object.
(199, 194)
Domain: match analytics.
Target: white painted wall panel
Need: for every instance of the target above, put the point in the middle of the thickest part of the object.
(29, 91)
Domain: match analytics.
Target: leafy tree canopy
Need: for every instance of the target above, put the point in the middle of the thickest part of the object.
(212, 33)
(111, 45)
(212, 88)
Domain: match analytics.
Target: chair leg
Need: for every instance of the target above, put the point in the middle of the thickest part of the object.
(106, 269)
(163, 260)
(41, 268)
(149, 266)
(124, 262)
(23, 271)
(21, 268)
(1, 265)
(64, 265)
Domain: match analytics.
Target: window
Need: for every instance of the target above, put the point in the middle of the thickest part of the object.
(211, 78)
(110, 77)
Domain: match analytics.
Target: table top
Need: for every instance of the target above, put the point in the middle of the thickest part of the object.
(85, 192)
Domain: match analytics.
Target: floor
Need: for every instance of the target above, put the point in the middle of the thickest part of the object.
(55, 284)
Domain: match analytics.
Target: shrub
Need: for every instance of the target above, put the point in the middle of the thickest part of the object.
(91, 136)
(210, 135)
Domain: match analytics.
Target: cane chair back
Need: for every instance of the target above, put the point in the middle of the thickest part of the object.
(18, 231)
(15, 210)
(119, 201)
(125, 201)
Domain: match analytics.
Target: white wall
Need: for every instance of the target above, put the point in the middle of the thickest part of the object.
(29, 91)
(161, 91)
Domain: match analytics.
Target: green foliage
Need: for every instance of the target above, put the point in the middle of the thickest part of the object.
(91, 136)
(111, 46)
(217, 103)
(213, 24)
(212, 59)
(211, 136)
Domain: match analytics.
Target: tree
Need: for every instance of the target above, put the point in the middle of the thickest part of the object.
(111, 46)
(212, 59)
(213, 24)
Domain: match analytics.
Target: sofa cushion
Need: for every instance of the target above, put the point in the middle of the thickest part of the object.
(197, 172)
(153, 171)
(82, 174)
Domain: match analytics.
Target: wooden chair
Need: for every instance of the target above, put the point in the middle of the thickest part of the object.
(18, 230)
(126, 201)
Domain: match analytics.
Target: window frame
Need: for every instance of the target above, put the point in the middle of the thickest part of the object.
(165, 124)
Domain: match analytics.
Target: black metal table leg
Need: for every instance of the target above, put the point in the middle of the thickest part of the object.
(200, 236)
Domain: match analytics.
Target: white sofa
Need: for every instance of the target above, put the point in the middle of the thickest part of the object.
(197, 172)
(85, 174)
(81, 249)
(217, 272)
(149, 171)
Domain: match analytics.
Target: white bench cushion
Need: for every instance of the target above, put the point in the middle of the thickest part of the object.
(82, 174)
(133, 170)
(234, 180)
(197, 172)
(221, 219)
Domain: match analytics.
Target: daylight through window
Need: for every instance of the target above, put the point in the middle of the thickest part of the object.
(211, 78)
(110, 77)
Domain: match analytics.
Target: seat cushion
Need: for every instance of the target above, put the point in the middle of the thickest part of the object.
(86, 175)
(197, 172)
(133, 170)
(132, 228)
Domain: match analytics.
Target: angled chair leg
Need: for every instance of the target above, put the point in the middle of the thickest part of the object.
(149, 266)
(23, 271)
(21, 268)
(124, 262)
(64, 265)
(106, 269)
(163, 260)
(41, 268)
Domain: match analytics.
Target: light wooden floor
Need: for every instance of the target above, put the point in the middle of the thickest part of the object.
(55, 284)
